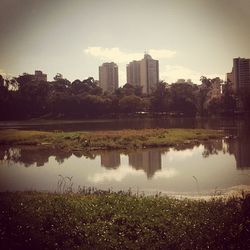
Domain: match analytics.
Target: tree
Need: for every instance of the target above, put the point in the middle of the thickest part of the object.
(4, 98)
(209, 91)
(24, 79)
(160, 98)
(228, 99)
(87, 86)
(130, 104)
(58, 77)
(183, 99)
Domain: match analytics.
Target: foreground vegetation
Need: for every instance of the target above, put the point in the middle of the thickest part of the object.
(120, 139)
(121, 221)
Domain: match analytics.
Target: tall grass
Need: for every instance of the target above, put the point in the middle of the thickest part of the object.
(111, 220)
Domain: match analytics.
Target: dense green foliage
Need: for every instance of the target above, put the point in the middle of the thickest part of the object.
(121, 221)
(23, 97)
(117, 139)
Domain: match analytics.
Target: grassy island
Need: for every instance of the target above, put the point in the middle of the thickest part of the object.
(116, 139)
(31, 220)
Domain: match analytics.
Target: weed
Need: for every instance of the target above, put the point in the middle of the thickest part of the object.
(94, 219)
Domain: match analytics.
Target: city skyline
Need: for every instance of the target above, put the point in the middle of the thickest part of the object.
(189, 38)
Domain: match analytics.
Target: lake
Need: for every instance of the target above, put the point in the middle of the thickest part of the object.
(206, 168)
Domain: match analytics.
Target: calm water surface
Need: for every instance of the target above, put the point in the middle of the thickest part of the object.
(206, 168)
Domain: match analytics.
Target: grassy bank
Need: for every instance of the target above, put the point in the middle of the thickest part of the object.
(121, 221)
(121, 139)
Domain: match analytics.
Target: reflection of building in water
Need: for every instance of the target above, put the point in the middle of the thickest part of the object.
(149, 161)
(110, 159)
(240, 149)
(240, 146)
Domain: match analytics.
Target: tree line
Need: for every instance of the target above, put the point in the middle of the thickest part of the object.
(23, 98)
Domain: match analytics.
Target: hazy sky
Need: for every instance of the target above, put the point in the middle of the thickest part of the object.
(190, 38)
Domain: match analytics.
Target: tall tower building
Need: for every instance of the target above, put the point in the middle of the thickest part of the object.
(241, 74)
(149, 74)
(133, 73)
(108, 77)
(144, 73)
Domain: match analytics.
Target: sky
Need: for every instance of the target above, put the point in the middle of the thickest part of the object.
(190, 38)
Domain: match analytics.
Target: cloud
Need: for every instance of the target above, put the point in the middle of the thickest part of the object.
(115, 174)
(175, 155)
(118, 56)
(165, 174)
(171, 73)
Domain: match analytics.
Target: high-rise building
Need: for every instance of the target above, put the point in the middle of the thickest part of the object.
(144, 73)
(108, 77)
(133, 73)
(240, 74)
(230, 77)
(149, 74)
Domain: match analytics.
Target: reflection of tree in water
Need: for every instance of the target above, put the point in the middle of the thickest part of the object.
(39, 156)
(86, 154)
(10, 154)
(147, 160)
(213, 147)
(237, 143)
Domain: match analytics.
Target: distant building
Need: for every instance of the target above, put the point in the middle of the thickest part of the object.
(133, 73)
(181, 81)
(144, 73)
(240, 75)
(149, 74)
(108, 77)
(39, 76)
(240, 81)
(230, 77)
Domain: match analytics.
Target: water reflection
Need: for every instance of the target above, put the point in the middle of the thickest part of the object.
(214, 147)
(240, 148)
(30, 156)
(148, 160)
(219, 163)
(109, 160)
